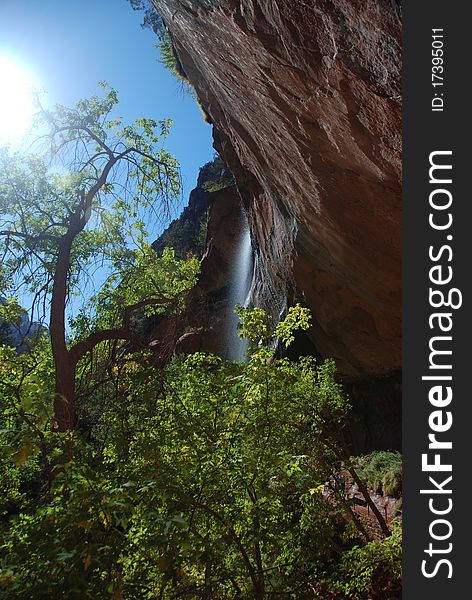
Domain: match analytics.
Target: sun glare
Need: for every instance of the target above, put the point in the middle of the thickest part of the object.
(16, 101)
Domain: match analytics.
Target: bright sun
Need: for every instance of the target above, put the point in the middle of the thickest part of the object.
(16, 101)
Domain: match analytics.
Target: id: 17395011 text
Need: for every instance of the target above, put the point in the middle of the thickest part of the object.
(437, 70)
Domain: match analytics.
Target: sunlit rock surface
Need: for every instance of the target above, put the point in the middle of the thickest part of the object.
(305, 101)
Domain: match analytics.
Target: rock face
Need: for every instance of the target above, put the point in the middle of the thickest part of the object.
(18, 335)
(201, 327)
(188, 232)
(304, 98)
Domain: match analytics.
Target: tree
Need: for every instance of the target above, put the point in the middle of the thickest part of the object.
(203, 479)
(77, 203)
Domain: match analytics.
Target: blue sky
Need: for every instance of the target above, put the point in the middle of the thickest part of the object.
(69, 46)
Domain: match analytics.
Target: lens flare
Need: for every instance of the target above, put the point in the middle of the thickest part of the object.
(16, 101)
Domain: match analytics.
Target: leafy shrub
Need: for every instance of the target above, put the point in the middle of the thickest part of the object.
(170, 60)
(382, 471)
(201, 480)
(369, 572)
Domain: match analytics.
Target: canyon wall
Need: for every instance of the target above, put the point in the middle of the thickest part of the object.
(209, 228)
(305, 101)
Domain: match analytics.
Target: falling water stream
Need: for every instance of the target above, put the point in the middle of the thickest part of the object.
(239, 293)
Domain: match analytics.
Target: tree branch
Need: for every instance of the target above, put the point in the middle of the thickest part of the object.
(81, 348)
(28, 237)
(129, 310)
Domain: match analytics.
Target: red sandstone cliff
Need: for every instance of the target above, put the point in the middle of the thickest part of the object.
(305, 101)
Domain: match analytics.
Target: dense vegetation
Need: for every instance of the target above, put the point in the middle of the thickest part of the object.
(75, 206)
(201, 479)
(382, 472)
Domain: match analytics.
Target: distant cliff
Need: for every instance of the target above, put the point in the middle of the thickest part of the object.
(305, 101)
(209, 228)
(18, 334)
(188, 232)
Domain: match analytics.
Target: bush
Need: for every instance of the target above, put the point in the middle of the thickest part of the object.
(382, 471)
(369, 572)
(201, 480)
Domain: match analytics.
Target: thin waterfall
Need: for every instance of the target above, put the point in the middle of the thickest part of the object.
(239, 293)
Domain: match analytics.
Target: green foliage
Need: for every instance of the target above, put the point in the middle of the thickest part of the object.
(11, 317)
(184, 237)
(168, 56)
(256, 326)
(79, 205)
(88, 153)
(382, 471)
(11, 312)
(26, 391)
(214, 186)
(149, 283)
(297, 318)
(217, 176)
(370, 572)
(201, 480)
(151, 19)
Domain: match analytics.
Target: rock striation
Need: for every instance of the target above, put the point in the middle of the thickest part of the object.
(305, 101)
